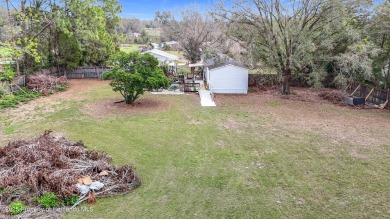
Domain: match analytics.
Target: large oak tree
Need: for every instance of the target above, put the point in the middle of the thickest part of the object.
(291, 36)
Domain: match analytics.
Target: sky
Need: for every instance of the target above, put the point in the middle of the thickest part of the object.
(144, 9)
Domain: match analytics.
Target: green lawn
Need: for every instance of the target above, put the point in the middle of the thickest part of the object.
(246, 158)
(132, 48)
(178, 53)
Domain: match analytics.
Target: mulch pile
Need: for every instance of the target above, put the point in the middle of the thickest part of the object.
(334, 96)
(51, 163)
(45, 84)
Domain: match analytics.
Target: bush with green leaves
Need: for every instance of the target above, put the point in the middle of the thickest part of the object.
(16, 208)
(68, 201)
(60, 88)
(8, 74)
(48, 200)
(21, 96)
(132, 73)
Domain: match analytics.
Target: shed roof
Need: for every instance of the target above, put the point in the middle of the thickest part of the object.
(226, 65)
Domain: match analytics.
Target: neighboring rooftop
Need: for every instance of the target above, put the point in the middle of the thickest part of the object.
(166, 55)
(171, 43)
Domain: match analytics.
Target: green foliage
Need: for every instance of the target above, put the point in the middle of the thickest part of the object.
(16, 208)
(12, 100)
(68, 201)
(166, 47)
(293, 36)
(379, 33)
(69, 51)
(48, 200)
(65, 34)
(59, 87)
(355, 63)
(133, 72)
(316, 78)
(8, 100)
(8, 74)
(164, 68)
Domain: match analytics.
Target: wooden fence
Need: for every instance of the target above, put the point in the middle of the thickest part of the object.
(15, 85)
(82, 72)
(86, 72)
(79, 73)
(191, 87)
(370, 93)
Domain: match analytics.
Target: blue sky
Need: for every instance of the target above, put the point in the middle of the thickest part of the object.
(144, 9)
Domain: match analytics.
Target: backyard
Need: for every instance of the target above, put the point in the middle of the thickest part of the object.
(259, 155)
(131, 48)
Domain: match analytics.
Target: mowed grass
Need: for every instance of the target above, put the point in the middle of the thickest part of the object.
(132, 48)
(224, 162)
(177, 53)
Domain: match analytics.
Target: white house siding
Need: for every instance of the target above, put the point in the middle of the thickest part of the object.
(228, 79)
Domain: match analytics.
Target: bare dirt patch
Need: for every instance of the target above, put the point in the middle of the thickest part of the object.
(108, 107)
(35, 109)
(305, 110)
(230, 124)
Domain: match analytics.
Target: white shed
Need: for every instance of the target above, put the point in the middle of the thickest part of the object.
(227, 79)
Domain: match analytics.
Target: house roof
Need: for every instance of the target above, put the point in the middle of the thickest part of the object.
(171, 42)
(158, 52)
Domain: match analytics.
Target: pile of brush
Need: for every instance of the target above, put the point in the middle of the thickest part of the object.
(334, 96)
(45, 84)
(49, 163)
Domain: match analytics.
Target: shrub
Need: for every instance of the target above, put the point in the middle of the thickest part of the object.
(48, 200)
(68, 201)
(59, 87)
(12, 100)
(8, 74)
(133, 73)
(16, 208)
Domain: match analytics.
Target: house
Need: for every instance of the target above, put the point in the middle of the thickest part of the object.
(155, 45)
(172, 45)
(224, 76)
(136, 35)
(165, 58)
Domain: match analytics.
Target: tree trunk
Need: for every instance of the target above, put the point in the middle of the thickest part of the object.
(17, 67)
(387, 77)
(286, 82)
